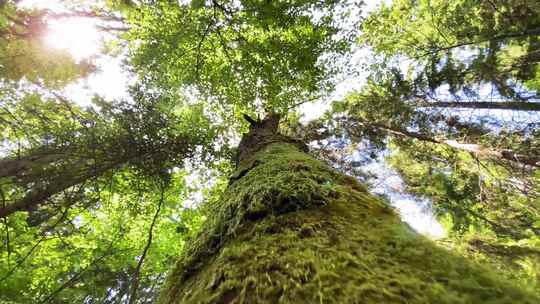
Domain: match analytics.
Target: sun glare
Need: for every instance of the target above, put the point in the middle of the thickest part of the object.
(54, 5)
(83, 40)
(78, 36)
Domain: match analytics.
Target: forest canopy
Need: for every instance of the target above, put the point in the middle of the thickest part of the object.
(122, 122)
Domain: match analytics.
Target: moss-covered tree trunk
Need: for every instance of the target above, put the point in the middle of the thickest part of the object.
(290, 229)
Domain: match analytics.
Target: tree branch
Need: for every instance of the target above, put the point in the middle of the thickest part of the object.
(476, 149)
(135, 278)
(491, 105)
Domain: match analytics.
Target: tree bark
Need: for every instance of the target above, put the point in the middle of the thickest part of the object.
(41, 184)
(45, 172)
(290, 229)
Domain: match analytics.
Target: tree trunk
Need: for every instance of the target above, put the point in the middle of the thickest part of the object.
(290, 229)
(42, 190)
(488, 105)
(476, 149)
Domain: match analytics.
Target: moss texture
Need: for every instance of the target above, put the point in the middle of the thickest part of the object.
(290, 229)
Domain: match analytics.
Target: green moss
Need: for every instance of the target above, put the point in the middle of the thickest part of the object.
(292, 230)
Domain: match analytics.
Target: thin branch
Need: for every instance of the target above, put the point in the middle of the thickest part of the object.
(135, 284)
(477, 149)
(199, 45)
(303, 102)
(85, 14)
(222, 8)
(490, 105)
(113, 28)
(8, 246)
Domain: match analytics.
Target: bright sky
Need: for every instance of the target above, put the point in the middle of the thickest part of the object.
(82, 39)
(78, 36)
(416, 212)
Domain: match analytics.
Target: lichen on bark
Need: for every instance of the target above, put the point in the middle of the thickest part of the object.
(290, 229)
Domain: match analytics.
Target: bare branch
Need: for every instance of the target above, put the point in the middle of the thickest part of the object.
(476, 149)
(490, 105)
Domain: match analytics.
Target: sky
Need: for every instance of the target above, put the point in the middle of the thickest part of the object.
(415, 211)
(81, 38)
(347, 83)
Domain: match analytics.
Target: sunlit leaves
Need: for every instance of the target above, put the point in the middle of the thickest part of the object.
(93, 223)
(238, 53)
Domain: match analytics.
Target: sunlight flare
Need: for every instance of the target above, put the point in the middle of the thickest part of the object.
(78, 36)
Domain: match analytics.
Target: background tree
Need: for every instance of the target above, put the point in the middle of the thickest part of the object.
(462, 44)
(479, 169)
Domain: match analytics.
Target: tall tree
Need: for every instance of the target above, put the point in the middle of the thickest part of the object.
(285, 227)
(85, 145)
(291, 229)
